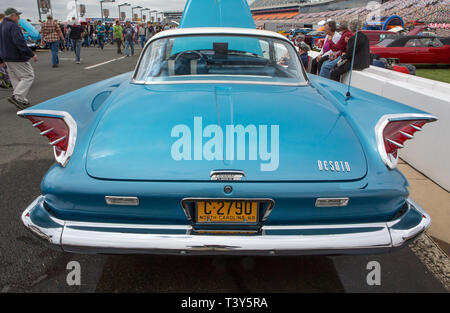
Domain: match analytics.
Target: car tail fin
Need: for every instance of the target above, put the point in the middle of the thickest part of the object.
(393, 130)
(218, 13)
(60, 129)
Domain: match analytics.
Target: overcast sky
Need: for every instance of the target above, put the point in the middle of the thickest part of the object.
(64, 9)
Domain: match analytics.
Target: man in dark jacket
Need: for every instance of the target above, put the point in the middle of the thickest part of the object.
(16, 54)
(362, 56)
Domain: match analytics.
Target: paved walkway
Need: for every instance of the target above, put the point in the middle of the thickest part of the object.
(435, 200)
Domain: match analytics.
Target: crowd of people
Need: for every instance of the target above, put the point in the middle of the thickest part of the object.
(343, 43)
(410, 9)
(15, 67)
(75, 35)
(427, 11)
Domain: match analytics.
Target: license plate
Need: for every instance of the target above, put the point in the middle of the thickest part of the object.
(232, 211)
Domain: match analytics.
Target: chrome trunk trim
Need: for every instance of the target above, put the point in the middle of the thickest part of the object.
(88, 237)
(227, 175)
(121, 200)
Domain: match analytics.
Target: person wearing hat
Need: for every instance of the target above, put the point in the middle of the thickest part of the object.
(303, 49)
(51, 34)
(16, 55)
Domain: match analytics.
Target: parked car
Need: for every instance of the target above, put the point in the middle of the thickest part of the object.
(220, 143)
(414, 50)
(30, 33)
(302, 31)
(312, 36)
(318, 43)
(376, 36)
(284, 33)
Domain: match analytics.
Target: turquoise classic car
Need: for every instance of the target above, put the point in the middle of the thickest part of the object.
(220, 143)
(31, 34)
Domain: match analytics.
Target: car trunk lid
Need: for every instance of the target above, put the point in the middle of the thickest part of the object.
(183, 133)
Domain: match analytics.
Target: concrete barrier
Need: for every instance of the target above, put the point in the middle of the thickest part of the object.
(429, 151)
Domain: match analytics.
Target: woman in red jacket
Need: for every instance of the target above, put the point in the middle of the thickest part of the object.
(338, 48)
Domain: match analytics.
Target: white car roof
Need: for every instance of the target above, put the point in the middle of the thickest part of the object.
(218, 30)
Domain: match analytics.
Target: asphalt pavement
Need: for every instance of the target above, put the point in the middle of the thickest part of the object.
(28, 266)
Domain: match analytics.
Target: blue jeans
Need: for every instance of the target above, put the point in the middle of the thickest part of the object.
(76, 43)
(86, 41)
(68, 43)
(54, 47)
(142, 40)
(101, 41)
(129, 44)
(327, 66)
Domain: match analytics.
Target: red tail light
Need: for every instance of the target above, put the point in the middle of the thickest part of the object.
(58, 127)
(393, 130)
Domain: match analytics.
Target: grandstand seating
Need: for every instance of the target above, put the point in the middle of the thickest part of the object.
(271, 3)
(428, 11)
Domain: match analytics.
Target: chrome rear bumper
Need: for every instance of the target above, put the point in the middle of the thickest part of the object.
(86, 237)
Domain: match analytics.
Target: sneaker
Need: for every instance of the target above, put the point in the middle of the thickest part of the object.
(25, 104)
(77, 62)
(21, 105)
(55, 65)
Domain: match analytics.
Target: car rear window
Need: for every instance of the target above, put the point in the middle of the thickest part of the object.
(206, 57)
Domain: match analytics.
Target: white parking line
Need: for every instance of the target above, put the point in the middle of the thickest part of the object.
(103, 63)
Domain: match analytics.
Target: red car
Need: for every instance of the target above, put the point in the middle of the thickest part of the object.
(318, 43)
(377, 36)
(312, 36)
(414, 50)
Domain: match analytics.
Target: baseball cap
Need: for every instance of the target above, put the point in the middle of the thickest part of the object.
(10, 11)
